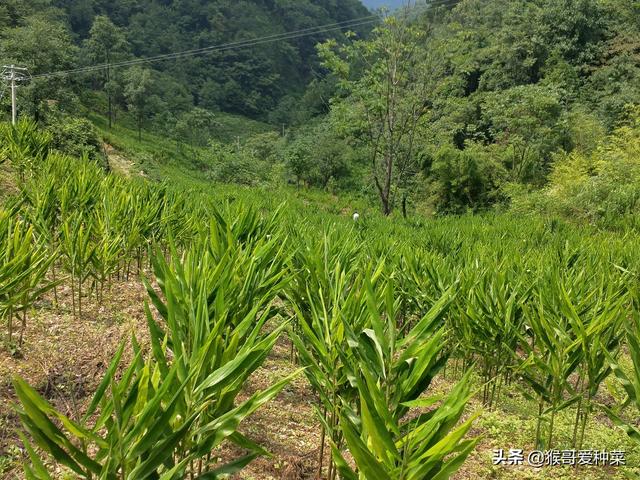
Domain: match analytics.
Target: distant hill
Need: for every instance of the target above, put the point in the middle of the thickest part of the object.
(391, 4)
(48, 35)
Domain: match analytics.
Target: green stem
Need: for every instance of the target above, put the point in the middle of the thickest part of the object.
(585, 419)
(551, 425)
(539, 423)
(322, 441)
(10, 326)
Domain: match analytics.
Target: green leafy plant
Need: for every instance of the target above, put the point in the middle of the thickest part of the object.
(78, 251)
(166, 417)
(23, 268)
(323, 292)
(391, 369)
(24, 145)
(630, 380)
(139, 432)
(215, 302)
(491, 321)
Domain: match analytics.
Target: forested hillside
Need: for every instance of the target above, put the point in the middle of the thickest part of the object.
(52, 35)
(391, 4)
(493, 96)
(472, 106)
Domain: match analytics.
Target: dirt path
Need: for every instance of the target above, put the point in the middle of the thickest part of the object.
(117, 162)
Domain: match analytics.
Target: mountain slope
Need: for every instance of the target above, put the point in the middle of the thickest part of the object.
(391, 4)
(55, 35)
(248, 80)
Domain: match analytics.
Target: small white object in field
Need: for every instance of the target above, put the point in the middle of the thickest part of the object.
(356, 217)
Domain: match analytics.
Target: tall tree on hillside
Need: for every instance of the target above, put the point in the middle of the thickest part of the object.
(194, 128)
(138, 92)
(527, 121)
(107, 43)
(387, 81)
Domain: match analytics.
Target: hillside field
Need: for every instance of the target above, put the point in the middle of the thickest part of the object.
(318, 240)
(301, 273)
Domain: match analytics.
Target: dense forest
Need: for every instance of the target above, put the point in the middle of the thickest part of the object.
(390, 4)
(61, 34)
(494, 95)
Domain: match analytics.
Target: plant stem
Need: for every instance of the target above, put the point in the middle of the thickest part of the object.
(24, 325)
(10, 326)
(539, 423)
(322, 440)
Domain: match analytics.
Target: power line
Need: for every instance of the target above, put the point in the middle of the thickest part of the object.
(14, 75)
(222, 47)
(239, 44)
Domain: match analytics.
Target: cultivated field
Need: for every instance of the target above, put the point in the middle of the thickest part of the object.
(155, 332)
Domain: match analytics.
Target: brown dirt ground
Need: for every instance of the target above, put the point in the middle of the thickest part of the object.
(64, 357)
(117, 162)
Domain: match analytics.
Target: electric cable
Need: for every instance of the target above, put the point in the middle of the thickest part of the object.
(238, 44)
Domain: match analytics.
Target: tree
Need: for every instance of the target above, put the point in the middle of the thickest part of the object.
(528, 122)
(298, 159)
(601, 185)
(138, 92)
(386, 81)
(41, 44)
(248, 81)
(194, 127)
(234, 164)
(105, 44)
(267, 146)
(466, 179)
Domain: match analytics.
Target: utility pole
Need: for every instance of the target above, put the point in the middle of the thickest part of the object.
(13, 75)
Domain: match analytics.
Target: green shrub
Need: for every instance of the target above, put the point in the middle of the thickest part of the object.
(76, 137)
(464, 179)
(227, 165)
(599, 186)
(24, 145)
(602, 187)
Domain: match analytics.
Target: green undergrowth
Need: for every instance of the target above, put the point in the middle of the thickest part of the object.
(161, 157)
(511, 425)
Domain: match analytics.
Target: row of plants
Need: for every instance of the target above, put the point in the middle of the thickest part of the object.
(375, 312)
(169, 411)
(553, 332)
